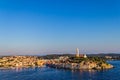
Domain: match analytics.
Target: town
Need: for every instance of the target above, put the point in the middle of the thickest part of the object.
(78, 61)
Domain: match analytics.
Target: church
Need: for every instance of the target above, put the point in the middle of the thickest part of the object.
(80, 55)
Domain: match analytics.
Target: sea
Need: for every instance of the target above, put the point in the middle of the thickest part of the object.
(46, 73)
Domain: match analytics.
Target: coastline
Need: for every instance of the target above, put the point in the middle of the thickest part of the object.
(75, 66)
(64, 62)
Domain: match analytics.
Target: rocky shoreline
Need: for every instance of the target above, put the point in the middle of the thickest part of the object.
(80, 66)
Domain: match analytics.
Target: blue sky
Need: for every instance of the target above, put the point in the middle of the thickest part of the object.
(59, 26)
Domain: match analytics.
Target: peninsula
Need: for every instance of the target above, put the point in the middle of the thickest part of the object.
(79, 61)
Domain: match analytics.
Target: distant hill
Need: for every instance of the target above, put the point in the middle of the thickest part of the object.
(53, 56)
(104, 54)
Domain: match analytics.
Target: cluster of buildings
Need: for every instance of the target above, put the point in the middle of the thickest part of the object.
(18, 61)
(30, 61)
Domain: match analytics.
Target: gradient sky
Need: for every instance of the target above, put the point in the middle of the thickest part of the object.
(59, 26)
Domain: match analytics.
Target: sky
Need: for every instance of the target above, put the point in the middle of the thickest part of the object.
(35, 27)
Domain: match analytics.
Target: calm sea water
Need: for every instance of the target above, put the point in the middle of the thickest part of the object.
(60, 74)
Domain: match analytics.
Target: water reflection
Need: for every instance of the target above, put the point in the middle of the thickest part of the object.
(47, 73)
(18, 69)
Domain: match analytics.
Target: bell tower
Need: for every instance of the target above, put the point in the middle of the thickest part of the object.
(77, 53)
